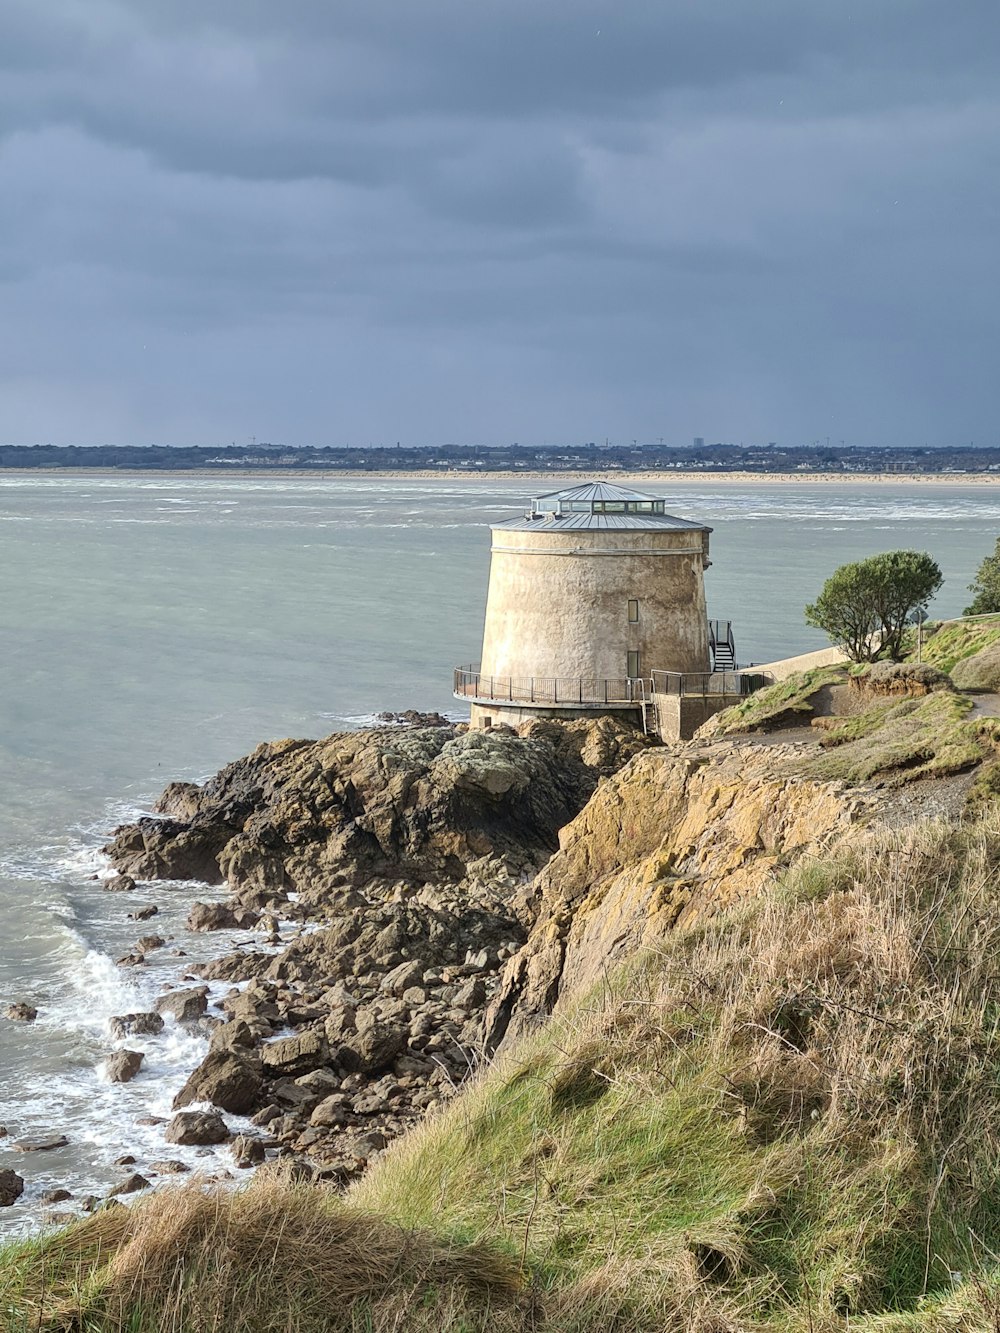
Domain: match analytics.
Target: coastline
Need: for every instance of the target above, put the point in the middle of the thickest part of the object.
(685, 478)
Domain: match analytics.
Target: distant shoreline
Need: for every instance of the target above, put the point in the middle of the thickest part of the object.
(685, 478)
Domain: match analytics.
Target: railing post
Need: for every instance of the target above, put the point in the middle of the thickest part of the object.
(532, 689)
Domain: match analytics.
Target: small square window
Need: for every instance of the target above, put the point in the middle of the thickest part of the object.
(633, 612)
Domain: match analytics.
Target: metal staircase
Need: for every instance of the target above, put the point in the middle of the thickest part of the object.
(722, 644)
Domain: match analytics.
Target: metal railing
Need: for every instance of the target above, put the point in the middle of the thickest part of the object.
(471, 683)
(704, 683)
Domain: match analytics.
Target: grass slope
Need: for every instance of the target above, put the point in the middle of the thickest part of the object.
(787, 1119)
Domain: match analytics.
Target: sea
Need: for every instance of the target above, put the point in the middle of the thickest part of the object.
(154, 627)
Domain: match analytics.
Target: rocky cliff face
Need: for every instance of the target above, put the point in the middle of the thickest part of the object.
(678, 834)
(408, 805)
(389, 873)
(412, 883)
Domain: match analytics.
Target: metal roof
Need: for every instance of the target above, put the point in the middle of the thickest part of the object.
(597, 490)
(558, 511)
(619, 522)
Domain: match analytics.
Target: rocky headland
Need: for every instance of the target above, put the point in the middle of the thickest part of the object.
(422, 893)
(389, 875)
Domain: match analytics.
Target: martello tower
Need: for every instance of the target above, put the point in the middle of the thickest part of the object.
(591, 591)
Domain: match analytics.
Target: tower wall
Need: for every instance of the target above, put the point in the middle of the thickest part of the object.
(558, 602)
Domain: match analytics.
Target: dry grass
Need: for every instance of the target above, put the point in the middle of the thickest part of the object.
(274, 1256)
(786, 1119)
(801, 1120)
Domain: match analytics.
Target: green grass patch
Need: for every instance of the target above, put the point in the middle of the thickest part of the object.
(954, 640)
(905, 741)
(788, 703)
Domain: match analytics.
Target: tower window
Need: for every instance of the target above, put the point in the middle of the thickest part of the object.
(633, 666)
(633, 612)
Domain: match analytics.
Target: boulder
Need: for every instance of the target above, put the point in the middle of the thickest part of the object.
(51, 1197)
(21, 1012)
(295, 1055)
(139, 1024)
(11, 1187)
(179, 799)
(197, 1128)
(169, 1167)
(330, 1113)
(132, 1184)
(227, 1080)
(123, 1066)
(119, 884)
(185, 1005)
(378, 1044)
(147, 943)
(247, 1151)
(144, 913)
(46, 1144)
(220, 916)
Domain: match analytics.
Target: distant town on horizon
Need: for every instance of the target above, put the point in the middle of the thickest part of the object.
(709, 458)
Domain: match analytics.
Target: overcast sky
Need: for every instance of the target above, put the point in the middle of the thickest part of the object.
(537, 220)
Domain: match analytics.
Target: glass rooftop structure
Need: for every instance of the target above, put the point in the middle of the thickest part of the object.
(599, 504)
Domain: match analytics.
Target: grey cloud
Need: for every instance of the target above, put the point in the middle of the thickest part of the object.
(509, 220)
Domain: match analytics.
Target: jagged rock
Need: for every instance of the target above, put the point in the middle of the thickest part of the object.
(169, 849)
(411, 718)
(11, 1187)
(220, 916)
(330, 1114)
(130, 1185)
(295, 1055)
(255, 1004)
(147, 943)
(40, 1145)
(179, 799)
(21, 1012)
(378, 1044)
(675, 836)
(247, 1151)
(401, 978)
(471, 995)
(185, 1005)
(140, 1024)
(414, 803)
(169, 1167)
(227, 1080)
(197, 1128)
(119, 884)
(123, 1066)
(235, 1035)
(144, 913)
(126, 1160)
(51, 1197)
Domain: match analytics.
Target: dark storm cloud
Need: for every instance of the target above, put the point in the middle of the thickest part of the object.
(526, 218)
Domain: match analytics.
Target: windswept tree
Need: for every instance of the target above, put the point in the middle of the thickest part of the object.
(986, 586)
(866, 606)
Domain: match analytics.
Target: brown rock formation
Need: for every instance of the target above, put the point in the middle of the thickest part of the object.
(403, 804)
(676, 835)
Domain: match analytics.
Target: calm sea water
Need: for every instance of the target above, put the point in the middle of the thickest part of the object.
(153, 628)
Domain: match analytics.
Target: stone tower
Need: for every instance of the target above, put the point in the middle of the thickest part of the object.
(593, 589)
